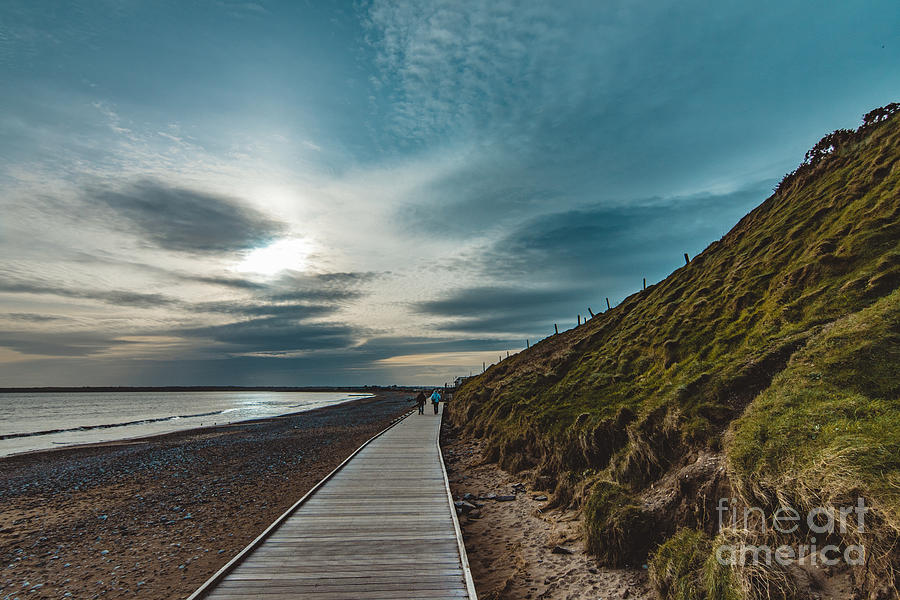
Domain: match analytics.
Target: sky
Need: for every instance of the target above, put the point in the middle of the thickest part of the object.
(225, 192)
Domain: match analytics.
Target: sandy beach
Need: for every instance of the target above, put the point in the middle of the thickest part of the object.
(154, 518)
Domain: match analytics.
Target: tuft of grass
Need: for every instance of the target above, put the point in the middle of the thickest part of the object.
(618, 529)
(677, 567)
(749, 579)
(686, 567)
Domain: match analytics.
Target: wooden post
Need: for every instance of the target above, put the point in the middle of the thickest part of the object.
(590, 312)
(687, 259)
(483, 367)
(527, 344)
(555, 328)
(645, 283)
(607, 304)
(579, 319)
(507, 354)
(499, 359)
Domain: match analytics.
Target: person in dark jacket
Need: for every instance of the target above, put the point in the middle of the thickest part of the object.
(420, 401)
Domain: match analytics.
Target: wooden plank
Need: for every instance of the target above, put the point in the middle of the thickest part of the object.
(415, 582)
(388, 572)
(370, 595)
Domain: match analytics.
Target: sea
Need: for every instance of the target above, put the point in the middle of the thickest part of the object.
(40, 421)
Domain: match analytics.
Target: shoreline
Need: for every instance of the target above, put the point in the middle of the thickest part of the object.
(155, 518)
(139, 439)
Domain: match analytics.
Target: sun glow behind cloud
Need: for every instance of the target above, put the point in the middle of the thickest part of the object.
(286, 254)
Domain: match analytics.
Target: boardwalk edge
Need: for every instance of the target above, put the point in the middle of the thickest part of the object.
(463, 557)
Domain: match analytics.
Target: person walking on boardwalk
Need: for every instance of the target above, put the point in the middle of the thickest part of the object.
(435, 398)
(420, 402)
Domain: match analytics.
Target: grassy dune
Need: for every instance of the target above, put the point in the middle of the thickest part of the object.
(766, 369)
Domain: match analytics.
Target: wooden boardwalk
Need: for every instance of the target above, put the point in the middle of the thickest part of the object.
(382, 526)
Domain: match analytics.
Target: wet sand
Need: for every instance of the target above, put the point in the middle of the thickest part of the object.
(154, 518)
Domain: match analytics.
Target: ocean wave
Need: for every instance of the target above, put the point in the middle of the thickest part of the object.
(10, 436)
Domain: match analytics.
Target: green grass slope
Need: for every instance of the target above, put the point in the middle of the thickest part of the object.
(772, 358)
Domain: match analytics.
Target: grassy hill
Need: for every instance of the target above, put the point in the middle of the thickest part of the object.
(767, 369)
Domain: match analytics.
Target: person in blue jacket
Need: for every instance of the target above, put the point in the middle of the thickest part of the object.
(435, 398)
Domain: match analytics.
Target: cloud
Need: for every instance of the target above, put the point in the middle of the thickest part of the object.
(550, 268)
(503, 309)
(484, 190)
(54, 343)
(274, 334)
(297, 304)
(286, 311)
(288, 286)
(450, 67)
(366, 363)
(116, 297)
(294, 286)
(608, 244)
(240, 283)
(381, 347)
(489, 300)
(187, 220)
(32, 317)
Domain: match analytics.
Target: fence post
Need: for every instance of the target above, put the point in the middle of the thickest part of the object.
(687, 259)
(527, 344)
(555, 328)
(483, 367)
(579, 319)
(607, 304)
(590, 312)
(645, 283)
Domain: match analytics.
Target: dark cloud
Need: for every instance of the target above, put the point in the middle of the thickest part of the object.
(59, 343)
(534, 323)
(607, 245)
(320, 369)
(292, 295)
(286, 311)
(291, 286)
(320, 287)
(505, 309)
(116, 297)
(354, 365)
(274, 334)
(188, 220)
(33, 317)
(239, 283)
(489, 300)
